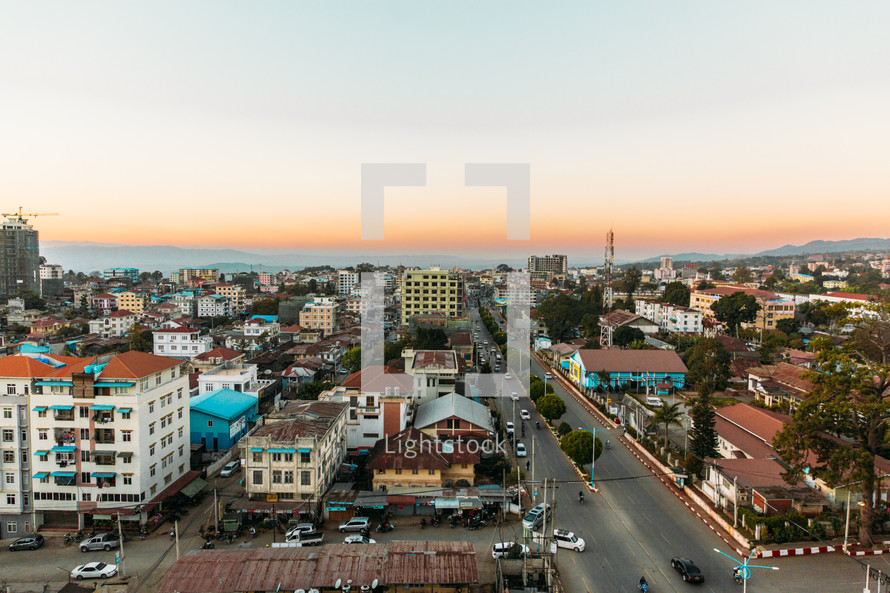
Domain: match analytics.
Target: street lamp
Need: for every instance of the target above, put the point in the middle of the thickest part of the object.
(745, 568)
(593, 452)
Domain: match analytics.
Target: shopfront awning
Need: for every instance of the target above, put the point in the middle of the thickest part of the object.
(41, 453)
(256, 449)
(125, 454)
(305, 450)
(64, 449)
(61, 407)
(193, 487)
(41, 475)
(53, 383)
(64, 474)
(115, 384)
(282, 450)
(103, 453)
(102, 407)
(447, 503)
(124, 410)
(39, 409)
(103, 474)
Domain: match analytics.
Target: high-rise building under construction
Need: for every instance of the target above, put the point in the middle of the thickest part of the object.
(19, 257)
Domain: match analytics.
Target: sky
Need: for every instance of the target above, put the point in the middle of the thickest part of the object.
(685, 126)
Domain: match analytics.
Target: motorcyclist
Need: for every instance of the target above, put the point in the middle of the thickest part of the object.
(580, 496)
(643, 583)
(737, 573)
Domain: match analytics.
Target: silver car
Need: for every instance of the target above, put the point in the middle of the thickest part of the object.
(103, 541)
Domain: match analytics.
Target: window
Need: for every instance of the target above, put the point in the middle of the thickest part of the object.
(152, 490)
(288, 477)
(305, 457)
(125, 415)
(152, 470)
(8, 457)
(209, 423)
(180, 412)
(257, 477)
(9, 478)
(276, 477)
(24, 435)
(41, 414)
(276, 456)
(127, 435)
(8, 435)
(257, 457)
(179, 393)
(181, 450)
(10, 499)
(11, 526)
(151, 428)
(7, 412)
(42, 434)
(289, 457)
(128, 479)
(83, 411)
(84, 434)
(128, 458)
(151, 407)
(84, 477)
(305, 478)
(180, 431)
(151, 450)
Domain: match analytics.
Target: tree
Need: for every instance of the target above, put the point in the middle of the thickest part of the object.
(352, 360)
(311, 389)
(704, 285)
(141, 339)
(667, 414)
(703, 438)
(432, 338)
(736, 309)
(393, 350)
(841, 422)
(708, 364)
(559, 312)
(563, 429)
(742, 275)
(503, 269)
(632, 277)
(578, 445)
(499, 337)
(771, 282)
(264, 307)
(789, 325)
(626, 334)
(536, 391)
(32, 300)
(676, 293)
(551, 407)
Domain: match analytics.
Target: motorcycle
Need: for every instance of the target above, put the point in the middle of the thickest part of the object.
(454, 521)
(208, 545)
(581, 498)
(68, 539)
(78, 536)
(385, 527)
(423, 523)
(737, 575)
(644, 586)
(608, 445)
(537, 424)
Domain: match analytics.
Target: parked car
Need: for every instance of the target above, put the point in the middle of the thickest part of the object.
(94, 570)
(303, 528)
(653, 401)
(31, 542)
(355, 524)
(230, 468)
(509, 427)
(535, 516)
(520, 450)
(525, 415)
(358, 539)
(567, 539)
(687, 569)
(102, 541)
(502, 549)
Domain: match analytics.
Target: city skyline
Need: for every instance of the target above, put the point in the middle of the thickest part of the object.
(249, 130)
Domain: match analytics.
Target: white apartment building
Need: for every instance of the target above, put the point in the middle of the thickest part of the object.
(321, 314)
(109, 434)
(51, 272)
(295, 459)
(371, 415)
(114, 325)
(16, 498)
(213, 305)
(347, 282)
(234, 375)
(181, 342)
(671, 318)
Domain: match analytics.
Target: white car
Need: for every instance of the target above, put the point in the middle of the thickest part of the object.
(520, 450)
(567, 539)
(355, 524)
(514, 396)
(358, 539)
(509, 427)
(94, 570)
(525, 415)
(508, 376)
(230, 468)
(502, 549)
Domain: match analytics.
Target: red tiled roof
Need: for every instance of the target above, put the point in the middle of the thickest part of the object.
(852, 295)
(290, 430)
(786, 374)
(753, 472)
(22, 367)
(135, 365)
(177, 330)
(121, 313)
(218, 352)
(379, 378)
(730, 290)
(427, 452)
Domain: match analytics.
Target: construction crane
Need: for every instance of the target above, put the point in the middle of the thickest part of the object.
(21, 217)
(606, 328)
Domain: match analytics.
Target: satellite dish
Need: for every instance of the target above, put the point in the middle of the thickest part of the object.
(267, 372)
(313, 591)
(374, 583)
(337, 584)
(300, 591)
(365, 588)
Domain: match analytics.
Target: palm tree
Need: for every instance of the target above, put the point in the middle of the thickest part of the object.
(667, 415)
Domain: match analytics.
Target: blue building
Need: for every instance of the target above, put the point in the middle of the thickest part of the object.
(131, 273)
(219, 418)
(653, 370)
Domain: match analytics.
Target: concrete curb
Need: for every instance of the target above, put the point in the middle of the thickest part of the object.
(866, 552)
(797, 551)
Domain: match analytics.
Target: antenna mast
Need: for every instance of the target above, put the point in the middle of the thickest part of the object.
(605, 328)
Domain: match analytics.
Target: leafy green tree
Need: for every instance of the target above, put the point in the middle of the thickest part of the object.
(352, 360)
(708, 364)
(704, 285)
(485, 369)
(563, 429)
(551, 407)
(393, 350)
(430, 338)
(632, 278)
(32, 300)
(676, 293)
(667, 415)
(789, 326)
(578, 445)
(771, 282)
(742, 275)
(500, 338)
(626, 334)
(850, 400)
(264, 307)
(141, 339)
(703, 439)
(559, 312)
(736, 309)
(536, 391)
(311, 389)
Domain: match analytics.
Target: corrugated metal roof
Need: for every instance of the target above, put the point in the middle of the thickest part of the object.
(453, 405)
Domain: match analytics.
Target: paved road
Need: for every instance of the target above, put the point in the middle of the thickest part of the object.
(634, 525)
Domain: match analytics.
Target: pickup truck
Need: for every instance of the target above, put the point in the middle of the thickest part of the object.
(299, 539)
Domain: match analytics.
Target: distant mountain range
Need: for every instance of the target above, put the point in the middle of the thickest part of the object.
(87, 257)
(862, 244)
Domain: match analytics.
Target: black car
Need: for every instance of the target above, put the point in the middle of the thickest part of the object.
(687, 569)
(32, 542)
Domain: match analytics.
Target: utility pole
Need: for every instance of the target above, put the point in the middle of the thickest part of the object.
(120, 537)
(735, 502)
(847, 527)
(215, 513)
(176, 528)
(504, 506)
(535, 495)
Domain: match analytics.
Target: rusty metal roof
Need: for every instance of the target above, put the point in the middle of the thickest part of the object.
(271, 569)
